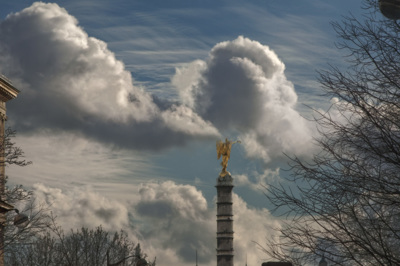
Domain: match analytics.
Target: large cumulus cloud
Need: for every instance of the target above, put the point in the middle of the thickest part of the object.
(180, 218)
(82, 207)
(72, 81)
(242, 88)
(171, 221)
(177, 221)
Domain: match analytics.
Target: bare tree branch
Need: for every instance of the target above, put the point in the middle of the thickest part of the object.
(347, 202)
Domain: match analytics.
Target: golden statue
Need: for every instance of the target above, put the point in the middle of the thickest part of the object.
(224, 149)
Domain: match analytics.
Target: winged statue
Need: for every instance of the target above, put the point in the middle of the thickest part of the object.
(224, 150)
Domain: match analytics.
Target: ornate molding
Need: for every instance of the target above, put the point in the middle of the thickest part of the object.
(7, 90)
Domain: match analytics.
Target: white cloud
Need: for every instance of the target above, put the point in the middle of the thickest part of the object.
(176, 221)
(67, 159)
(186, 80)
(252, 226)
(184, 119)
(72, 81)
(82, 207)
(242, 88)
(257, 181)
(60, 60)
(171, 221)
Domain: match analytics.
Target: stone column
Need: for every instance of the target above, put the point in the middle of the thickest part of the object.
(224, 221)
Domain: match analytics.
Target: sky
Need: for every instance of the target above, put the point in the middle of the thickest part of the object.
(121, 104)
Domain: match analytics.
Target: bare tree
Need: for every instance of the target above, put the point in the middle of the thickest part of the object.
(43, 243)
(23, 199)
(91, 247)
(13, 154)
(39, 218)
(345, 204)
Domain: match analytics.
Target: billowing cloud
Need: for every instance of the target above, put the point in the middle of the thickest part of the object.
(82, 207)
(242, 88)
(171, 221)
(72, 81)
(68, 159)
(252, 227)
(180, 220)
(177, 221)
(257, 181)
(184, 119)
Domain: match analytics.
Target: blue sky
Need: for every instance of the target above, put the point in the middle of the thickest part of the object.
(76, 64)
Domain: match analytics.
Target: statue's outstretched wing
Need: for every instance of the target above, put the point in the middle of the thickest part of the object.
(220, 145)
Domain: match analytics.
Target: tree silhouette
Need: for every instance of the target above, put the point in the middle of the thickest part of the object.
(346, 206)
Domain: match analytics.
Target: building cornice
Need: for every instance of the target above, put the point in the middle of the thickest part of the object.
(7, 90)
